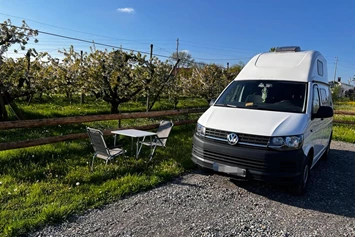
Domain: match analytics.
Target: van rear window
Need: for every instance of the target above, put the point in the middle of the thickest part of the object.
(320, 68)
(270, 95)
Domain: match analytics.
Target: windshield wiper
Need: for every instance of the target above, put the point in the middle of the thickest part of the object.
(230, 105)
(227, 105)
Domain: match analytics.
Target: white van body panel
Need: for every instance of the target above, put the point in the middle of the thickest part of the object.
(289, 66)
(257, 122)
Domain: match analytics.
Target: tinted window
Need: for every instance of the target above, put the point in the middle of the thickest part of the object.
(320, 68)
(265, 95)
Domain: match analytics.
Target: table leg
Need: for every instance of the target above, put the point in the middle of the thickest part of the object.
(151, 146)
(137, 144)
(131, 146)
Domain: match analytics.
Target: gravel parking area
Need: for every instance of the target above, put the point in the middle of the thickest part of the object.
(206, 204)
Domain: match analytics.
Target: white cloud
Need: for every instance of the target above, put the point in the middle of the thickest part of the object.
(126, 10)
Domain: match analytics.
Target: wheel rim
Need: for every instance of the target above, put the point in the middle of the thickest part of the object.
(305, 175)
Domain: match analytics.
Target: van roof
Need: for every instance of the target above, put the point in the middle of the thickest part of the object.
(291, 66)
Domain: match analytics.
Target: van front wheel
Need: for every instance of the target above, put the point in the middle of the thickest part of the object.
(300, 188)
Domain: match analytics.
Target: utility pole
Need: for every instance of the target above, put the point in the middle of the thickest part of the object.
(151, 76)
(177, 54)
(94, 46)
(82, 95)
(335, 69)
(177, 48)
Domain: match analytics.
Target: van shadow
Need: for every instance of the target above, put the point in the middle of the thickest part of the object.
(331, 188)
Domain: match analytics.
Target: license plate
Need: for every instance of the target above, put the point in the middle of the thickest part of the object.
(229, 169)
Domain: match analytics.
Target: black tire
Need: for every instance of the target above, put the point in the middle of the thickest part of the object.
(325, 156)
(301, 187)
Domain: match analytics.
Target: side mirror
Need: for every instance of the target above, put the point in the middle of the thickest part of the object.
(212, 102)
(324, 112)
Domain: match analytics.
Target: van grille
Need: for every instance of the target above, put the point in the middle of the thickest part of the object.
(244, 139)
(231, 160)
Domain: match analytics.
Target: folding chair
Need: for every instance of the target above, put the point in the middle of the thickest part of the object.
(100, 148)
(160, 139)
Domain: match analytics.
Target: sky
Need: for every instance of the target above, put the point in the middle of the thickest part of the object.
(211, 31)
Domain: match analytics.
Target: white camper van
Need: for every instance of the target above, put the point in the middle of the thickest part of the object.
(273, 122)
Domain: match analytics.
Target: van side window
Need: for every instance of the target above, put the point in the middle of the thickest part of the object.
(320, 68)
(324, 97)
(315, 104)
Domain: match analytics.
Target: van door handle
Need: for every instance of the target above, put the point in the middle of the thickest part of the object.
(311, 130)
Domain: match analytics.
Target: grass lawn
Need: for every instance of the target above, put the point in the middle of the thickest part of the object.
(343, 132)
(348, 106)
(61, 107)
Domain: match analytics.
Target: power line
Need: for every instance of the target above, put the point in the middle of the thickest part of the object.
(108, 45)
(87, 41)
(196, 44)
(82, 32)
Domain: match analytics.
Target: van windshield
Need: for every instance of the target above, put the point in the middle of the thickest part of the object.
(271, 95)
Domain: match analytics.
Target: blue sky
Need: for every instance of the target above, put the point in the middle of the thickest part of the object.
(211, 31)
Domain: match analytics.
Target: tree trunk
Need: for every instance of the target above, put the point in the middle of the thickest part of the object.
(147, 104)
(82, 98)
(17, 111)
(3, 112)
(29, 100)
(114, 107)
(176, 101)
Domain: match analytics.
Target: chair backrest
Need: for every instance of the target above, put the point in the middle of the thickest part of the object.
(97, 141)
(164, 130)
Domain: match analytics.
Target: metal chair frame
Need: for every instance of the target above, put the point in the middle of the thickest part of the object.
(100, 147)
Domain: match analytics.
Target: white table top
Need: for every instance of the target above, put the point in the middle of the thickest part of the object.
(133, 133)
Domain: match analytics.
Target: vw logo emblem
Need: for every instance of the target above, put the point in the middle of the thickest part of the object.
(232, 138)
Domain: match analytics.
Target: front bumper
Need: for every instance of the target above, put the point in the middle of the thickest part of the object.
(249, 162)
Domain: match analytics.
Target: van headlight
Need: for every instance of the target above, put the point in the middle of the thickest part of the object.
(200, 130)
(286, 143)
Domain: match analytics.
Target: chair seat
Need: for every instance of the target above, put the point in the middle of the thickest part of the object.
(113, 152)
(116, 151)
(152, 143)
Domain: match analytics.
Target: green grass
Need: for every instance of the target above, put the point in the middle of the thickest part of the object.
(345, 133)
(55, 107)
(349, 106)
(344, 117)
(60, 107)
(46, 184)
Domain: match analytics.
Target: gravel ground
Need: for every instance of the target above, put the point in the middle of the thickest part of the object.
(206, 204)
